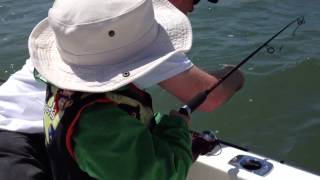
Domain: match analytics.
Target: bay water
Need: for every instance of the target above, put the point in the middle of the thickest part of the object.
(276, 113)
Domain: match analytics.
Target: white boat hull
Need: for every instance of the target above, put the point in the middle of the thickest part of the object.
(217, 167)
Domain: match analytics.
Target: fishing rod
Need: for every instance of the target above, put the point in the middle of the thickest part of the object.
(196, 101)
(204, 142)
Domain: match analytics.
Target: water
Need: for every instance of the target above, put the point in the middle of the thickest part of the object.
(277, 113)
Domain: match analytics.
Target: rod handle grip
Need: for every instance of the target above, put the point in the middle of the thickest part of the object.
(194, 103)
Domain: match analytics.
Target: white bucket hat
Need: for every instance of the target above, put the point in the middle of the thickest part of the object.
(101, 45)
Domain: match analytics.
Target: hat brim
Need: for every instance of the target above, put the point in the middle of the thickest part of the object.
(173, 36)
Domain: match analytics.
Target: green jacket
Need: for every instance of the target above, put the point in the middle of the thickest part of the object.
(110, 144)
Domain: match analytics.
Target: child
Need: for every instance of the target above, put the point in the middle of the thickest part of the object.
(98, 124)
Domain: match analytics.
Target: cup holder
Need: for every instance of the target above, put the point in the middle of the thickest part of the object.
(252, 164)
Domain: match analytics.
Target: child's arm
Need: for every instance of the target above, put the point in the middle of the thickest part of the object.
(110, 144)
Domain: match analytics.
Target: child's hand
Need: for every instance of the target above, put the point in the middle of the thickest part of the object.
(184, 117)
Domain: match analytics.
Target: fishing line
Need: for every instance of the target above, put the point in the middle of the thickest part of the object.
(196, 101)
(270, 49)
(300, 21)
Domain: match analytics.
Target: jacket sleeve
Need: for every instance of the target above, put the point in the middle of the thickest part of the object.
(110, 144)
